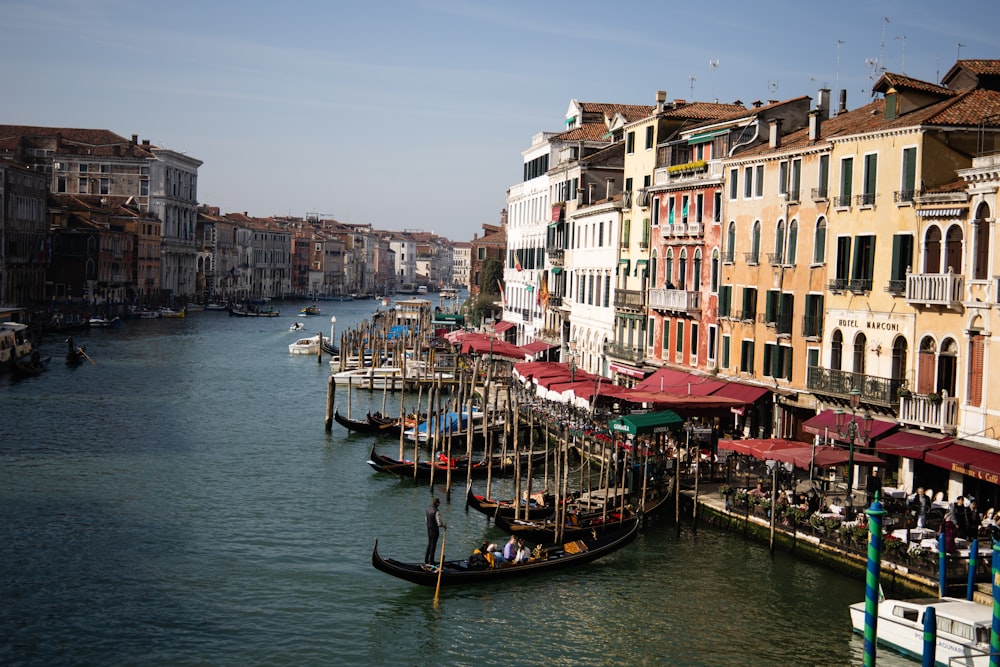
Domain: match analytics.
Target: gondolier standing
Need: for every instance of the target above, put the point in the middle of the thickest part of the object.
(434, 526)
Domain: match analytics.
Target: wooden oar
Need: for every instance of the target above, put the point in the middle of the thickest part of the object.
(437, 589)
(86, 356)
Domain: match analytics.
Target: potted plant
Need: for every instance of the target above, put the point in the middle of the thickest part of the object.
(725, 490)
(934, 397)
(903, 392)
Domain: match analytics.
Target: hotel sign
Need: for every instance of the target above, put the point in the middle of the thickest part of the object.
(873, 322)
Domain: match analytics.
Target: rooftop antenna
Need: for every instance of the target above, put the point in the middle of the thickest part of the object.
(714, 64)
(772, 86)
(692, 80)
(881, 53)
(837, 86)
(902, 62)
(958, 56)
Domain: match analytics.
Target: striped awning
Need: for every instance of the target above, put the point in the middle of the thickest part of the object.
(940, 212)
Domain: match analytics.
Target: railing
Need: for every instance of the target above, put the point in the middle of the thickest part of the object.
(812, 326)
(775, 258)
(934, 289)
(842, 201)
(728, 256)
(623, 352)
(556, 256)
(629, 298)
(896, 287)
(819, 194)
(745, 315)
(859, 285)
(792, 197)
(694, 229)
(866, 199)
(838, 284)
(675, 300)
(936, 412)
(783, 324)
(555, 301)
(905, 196)
(879, 390)
(752, 258)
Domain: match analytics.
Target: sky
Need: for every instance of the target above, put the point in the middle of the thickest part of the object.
(413, 115)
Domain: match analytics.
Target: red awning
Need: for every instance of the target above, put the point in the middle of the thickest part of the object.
(479, 344)
(626, 370)
(503, 325)
(678, 382)
(836, 456)
(745, 392)
(759, 447)
(909, 445)
(675, 402)
(825, 423)
(970, 461)
(536, 346)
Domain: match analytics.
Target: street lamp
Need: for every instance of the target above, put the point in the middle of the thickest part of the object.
(572, 360)
(852, 431)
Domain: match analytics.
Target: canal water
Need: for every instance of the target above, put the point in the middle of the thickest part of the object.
(179, 502)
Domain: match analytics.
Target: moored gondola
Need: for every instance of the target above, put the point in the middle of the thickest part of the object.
(540, 507)
(480, 467)
(367, 425)
(577, 525)
(544, 559)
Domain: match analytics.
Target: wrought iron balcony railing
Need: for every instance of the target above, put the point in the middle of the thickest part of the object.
(877, 390)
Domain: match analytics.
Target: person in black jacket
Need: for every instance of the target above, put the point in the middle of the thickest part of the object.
(434, 525)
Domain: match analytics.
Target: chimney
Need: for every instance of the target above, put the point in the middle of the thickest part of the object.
(842, 107)
(775, 140)
(661, 97)
(815, 120)
(145, 143)
(135, 139)
(823, 103)
(607, 192)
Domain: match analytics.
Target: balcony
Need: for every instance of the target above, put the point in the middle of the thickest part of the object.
(812, 326)
(792, 197)
(866, 200)
(745, 315)
(820, 194)
(838, 284)
(695, 229)
(555, 301)
(859, 285)
(675, 300)
(934, 289)
(752, 258)
(556, 256)
(774, 258)
(842, 201)
(939, 413)
(624, 352)
(830, 382)
(905, 196)
(896, 287)
(630, 299)
(729, 255)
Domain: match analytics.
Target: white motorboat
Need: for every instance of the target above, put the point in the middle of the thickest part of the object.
(963, 628)
(371, 377)
(297, 326)
(307, 345)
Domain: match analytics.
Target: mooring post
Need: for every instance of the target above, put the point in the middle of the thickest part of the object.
(872, 588)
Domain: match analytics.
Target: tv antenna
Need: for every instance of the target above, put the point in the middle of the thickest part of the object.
(714, 64)
(958, 56)
(902, 62)
(692, 80)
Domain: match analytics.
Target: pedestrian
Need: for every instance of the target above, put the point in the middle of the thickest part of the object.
(921, 504)
(434, 525)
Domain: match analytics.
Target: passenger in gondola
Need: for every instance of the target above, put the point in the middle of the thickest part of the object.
(510, 549)
(477, 561)
(494, 556)
(523, 553)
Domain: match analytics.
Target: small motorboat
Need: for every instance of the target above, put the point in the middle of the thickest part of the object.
(310, 310)
(104, 323)
(297, 326)
(307, 345)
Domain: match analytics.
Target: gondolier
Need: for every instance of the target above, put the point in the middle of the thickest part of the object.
(434, 525)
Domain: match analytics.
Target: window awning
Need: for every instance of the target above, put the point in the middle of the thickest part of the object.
(970, 461)
(744, 392)
(825, 423)
(536, 346)
(909, 445)
(500, 327)
(556, 270)
(626, 262)
(705, 136)
(642, 264)
(652, 422)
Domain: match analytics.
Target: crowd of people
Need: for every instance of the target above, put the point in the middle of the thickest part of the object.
(962, 518)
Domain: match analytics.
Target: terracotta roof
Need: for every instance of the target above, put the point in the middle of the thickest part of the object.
(629, 111)
(597, 131)
(971, 108)
(902, 82)
(704, 111)
(980, 67)
(72, 140)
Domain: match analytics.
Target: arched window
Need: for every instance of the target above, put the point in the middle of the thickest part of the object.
(947, 366)
(715, 271)
(819, 249)
(953, 250)
(932, 250)
(837, 350)
(779, 241)
(926, 363)
(898, 369)
(981, 260)
(668, 270)
(755, 242)
(731, 241)
(793, 237)
(696, 272)
(860, 343)
(652, 269)
(682, 269)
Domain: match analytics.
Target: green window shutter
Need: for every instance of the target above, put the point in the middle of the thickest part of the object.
(895, 273)
(871, 170)
(666, 337)
(725, 351)
(909, 170)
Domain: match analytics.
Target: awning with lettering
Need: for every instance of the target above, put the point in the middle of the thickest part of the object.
(909, 445)
(626, 370)
(652, 422)
(966, 460)
(825, 423)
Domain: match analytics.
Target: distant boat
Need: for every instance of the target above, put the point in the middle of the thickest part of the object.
(311, 310)
(252, 311)
(215, 306)
(296, 326)
(104, 323)
(170, 313)
(307, 345)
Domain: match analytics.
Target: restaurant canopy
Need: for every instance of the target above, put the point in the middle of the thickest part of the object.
(909, 445)
(966, 460)
(759, 447)
(482, 345)
(825, 424)
(650, 422)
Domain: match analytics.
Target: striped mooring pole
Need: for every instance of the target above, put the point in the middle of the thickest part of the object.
(995, 634)
(875, 514)
(930, 638)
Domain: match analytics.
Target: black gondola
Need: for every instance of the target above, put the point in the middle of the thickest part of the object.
(457, 572)
(460, 466)
(577, 525)
(531, 511)
(367, 425)
(27, 367)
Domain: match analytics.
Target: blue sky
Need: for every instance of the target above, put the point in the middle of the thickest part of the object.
(413, 115)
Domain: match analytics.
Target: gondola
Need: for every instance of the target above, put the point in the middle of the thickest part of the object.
(459, 466)
(457, 572)
(366, 425)
(578, 526)
(28, 367)
(75, 355)
(532, 511)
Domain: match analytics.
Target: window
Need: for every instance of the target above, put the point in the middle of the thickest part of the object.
(717, 206)
(61, 184)
(725, 351)
(714, 279)
(977, 344)
(747, 182)
(144, 187)
(666, 337)
(771, 304)
(725, 300)
(871, 171)
(981, 258)
(668, 269)
(902, 261)
(837, 351)
(607, 291)
(699, 207)
(770, 360)
(796, 181)
(846, 176)
(793, 238)
(680, 337)
(843, 268)
(682, 270)
(759, 190)
(749, 311)
(734, 178)
(713, 340)
(83, 187)
(754, 256)
(628, 185)
(651, 330)
(684, 209)
(812, 357)
(746, 356)
(694, 340)
(864, 264)
(730, 243)
(819, 249)
(779, 243)
(656, 212)
(812, 322)
(782, 189)
(649, 137)
(860, 351)
(670, 210)
(909, 176)
(626, 228)
(696, 271)
(823, 178)
(630, 142)
(84, 168)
